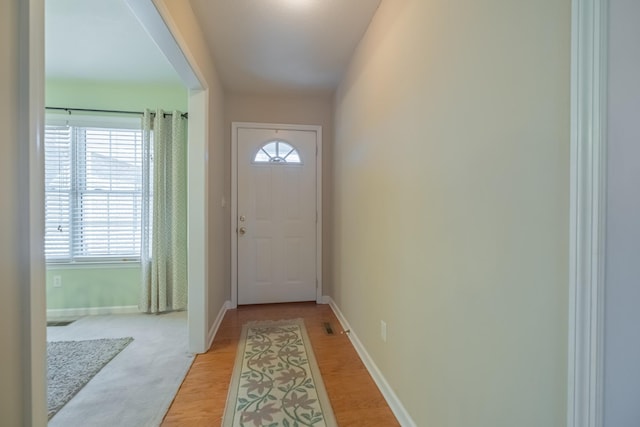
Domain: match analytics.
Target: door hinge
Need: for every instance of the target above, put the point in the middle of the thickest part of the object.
(316, 217)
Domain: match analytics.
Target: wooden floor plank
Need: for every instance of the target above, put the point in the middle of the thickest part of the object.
(355, 399)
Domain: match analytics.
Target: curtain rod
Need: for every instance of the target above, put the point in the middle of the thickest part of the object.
(69, 110)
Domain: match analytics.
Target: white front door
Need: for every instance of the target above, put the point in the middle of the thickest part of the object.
(276, 215)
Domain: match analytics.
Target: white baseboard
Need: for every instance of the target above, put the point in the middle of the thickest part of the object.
(392, 399)
(325, 299)
(53, 313)
(216, 325)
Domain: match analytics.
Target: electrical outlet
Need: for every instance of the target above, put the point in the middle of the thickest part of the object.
(383, 330)
(57, 281)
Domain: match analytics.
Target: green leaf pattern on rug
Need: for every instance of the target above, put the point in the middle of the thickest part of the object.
(276, 386)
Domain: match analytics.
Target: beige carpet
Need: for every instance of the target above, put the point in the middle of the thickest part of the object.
(136, 388)
(72, 364)
(276, 381)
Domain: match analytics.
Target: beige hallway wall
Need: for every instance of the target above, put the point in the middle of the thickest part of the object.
(315, 109)
(451, 163)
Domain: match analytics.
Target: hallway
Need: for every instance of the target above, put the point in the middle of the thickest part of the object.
(354, 396)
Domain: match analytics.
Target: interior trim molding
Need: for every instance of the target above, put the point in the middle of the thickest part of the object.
(216, 324)
(392, 399)
(325, 299)
(587, 212)
(30, 127)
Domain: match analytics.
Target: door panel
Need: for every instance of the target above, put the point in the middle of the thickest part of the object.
(276, 216)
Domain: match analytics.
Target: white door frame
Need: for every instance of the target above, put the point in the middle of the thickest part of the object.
(587, 212)
(234, 200)
(31, 132)
(31, 127)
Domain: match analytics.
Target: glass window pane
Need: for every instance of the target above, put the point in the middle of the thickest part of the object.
(284, 149)
(277, 152)
(271, 149)
(293, 157)
(262, 157)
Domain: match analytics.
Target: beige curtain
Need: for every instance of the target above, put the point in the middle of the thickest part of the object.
(164, 257)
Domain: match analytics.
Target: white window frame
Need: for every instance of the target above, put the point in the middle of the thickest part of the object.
(79, 122)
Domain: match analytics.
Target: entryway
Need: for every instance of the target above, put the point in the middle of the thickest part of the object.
(355, 398)
(276, 213)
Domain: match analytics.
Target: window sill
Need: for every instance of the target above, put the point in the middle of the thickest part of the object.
(92, 265)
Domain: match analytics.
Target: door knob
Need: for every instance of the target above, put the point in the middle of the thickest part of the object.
(242, 231)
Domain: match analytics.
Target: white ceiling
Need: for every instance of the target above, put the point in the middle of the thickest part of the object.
(283, 45)
(101, 40)
(259, 46)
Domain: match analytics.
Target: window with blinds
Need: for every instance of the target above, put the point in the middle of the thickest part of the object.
(93, 193)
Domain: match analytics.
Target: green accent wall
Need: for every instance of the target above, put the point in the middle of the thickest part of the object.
(97, 286)
(115, 95)
(93, 286)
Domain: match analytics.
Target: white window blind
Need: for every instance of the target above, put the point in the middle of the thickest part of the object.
(93, 206)
(57, 152)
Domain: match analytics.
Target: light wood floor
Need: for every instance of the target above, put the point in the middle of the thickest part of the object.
(355, 399)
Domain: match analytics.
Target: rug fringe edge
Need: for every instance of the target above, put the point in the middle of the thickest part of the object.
(254, 323)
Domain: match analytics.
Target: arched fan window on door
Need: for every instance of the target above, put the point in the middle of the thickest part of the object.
(277, 152)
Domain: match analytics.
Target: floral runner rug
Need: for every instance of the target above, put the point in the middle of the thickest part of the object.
(276, 381)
